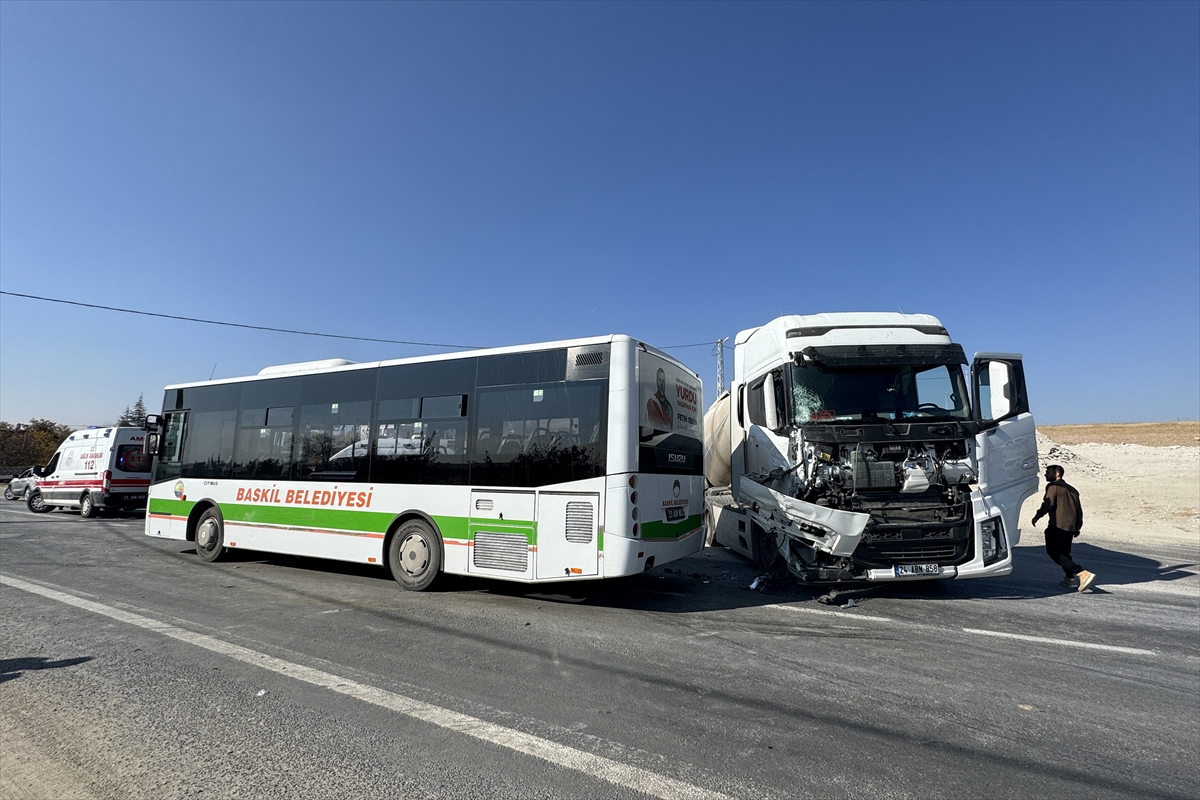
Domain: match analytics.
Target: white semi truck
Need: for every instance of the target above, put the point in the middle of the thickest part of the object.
(851, 448)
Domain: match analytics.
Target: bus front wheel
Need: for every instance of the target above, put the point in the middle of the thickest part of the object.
(415, 555)
(210, 535)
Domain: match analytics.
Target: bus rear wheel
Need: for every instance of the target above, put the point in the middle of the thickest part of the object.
(210, 535)
(415, 555)
(87, 507)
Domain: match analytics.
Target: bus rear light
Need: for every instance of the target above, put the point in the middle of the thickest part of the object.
(633, 481)
(633, 498)
(371, 559)
(635, 512)
(635, 529)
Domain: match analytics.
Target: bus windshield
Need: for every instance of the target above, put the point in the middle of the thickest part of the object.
(822, 394)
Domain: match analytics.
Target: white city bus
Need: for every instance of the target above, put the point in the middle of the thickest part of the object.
(569, 460)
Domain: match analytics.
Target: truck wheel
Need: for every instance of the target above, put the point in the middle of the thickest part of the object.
(710, 537)
(415, 555)
(210, 535)
(87, 508)
(8, 493)
(769, 559)
(35, 503)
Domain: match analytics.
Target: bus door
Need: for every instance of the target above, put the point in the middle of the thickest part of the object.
(501, 533)
(568, 542)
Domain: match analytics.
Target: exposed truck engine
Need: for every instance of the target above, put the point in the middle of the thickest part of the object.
(851, 448)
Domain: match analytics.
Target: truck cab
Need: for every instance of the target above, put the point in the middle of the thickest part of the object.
(852, 447)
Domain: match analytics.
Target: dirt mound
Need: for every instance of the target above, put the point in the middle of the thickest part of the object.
(1152, 434)
(1051, 452)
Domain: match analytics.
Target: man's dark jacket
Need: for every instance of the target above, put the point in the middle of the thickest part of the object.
(1062, 506)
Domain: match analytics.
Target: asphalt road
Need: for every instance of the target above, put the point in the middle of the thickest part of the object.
(130, 668)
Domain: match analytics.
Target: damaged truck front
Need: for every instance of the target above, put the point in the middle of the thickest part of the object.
(851, 448)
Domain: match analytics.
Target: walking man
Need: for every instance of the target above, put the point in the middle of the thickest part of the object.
(1062, 506)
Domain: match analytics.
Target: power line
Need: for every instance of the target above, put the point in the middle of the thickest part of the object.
(235, 324)
(274, 330)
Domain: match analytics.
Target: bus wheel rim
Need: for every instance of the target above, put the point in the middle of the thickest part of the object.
(414, 554)
(206, 534)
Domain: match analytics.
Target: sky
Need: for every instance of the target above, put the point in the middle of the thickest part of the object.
(489, 174)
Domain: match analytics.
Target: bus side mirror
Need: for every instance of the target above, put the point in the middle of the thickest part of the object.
(150, 443)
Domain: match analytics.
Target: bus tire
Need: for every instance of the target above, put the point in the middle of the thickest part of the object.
(415, 555)
(210, 535)
(35, 503)
(87, 507)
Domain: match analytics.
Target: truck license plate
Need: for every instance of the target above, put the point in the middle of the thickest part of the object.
(909, 570)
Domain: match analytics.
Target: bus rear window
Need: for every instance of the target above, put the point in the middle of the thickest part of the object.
(130, 458)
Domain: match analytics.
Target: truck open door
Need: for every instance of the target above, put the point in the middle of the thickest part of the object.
(1006, 446)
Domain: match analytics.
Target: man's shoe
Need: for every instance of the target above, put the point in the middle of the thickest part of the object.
(1070, 582)
(1085, 579)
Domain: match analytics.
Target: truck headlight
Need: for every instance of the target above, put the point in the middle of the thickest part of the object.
(995, 548)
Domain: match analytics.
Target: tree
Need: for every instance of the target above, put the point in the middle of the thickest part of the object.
(135, 417)
(23, 445)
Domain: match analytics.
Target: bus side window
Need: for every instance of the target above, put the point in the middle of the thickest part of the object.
(334, 441)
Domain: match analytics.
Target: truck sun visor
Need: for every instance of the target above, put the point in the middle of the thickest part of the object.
(835, 356)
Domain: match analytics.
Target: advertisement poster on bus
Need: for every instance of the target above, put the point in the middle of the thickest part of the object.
(669, 398)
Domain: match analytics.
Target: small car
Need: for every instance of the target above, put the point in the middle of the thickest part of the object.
(19, 485)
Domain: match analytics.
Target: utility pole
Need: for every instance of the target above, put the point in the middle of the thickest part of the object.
(719, 352)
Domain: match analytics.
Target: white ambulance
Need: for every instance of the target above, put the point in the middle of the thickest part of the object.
(94, 469)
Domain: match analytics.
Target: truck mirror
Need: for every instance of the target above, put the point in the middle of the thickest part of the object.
(1001, 395)
(772, 413)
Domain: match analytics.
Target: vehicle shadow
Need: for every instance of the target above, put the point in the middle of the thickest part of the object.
(716, 579)
(1034, 575)
(12, 668)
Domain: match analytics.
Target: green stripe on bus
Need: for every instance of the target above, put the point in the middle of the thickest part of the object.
(176, 508)
(517, 527)
(457, 528)
(452, 527)
(358, 521)
(662, 530)
(331, 519)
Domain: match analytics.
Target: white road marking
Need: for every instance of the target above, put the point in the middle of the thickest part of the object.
(1137, 651)
(1187, 587)
(623, 775)
(845, 616)
(849, 616)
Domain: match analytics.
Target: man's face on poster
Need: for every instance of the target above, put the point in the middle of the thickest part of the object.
(662, 383)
